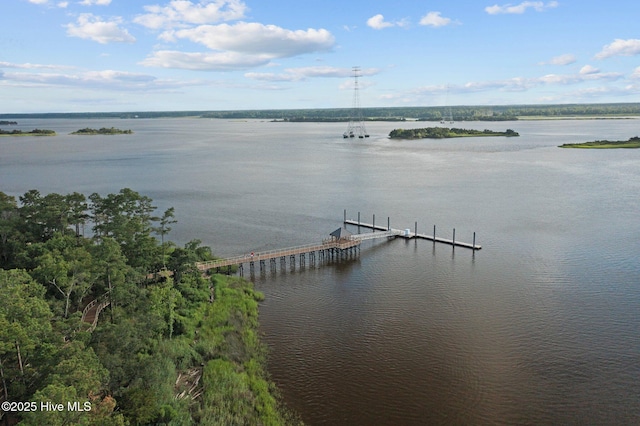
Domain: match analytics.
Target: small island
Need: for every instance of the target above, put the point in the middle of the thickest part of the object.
(633, 142)
(102, 131)
(444, 132)
(8, 123)
(34, 132)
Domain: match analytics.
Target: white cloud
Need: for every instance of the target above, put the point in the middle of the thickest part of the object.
(566, 59)
(258, 39)
(538, 6)
(95, 2)
(28, 66)
(377, 22)
(303, 73)
(588, 69)
(636, 74)
(517, 84)
(434, 19)
(620, 47)
(179, 13)
(61, 4)
(204, 61)
(106, 79)
(94, 28)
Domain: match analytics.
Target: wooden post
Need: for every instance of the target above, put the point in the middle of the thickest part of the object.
(415, 232)
(344, 222)
(454, 237)
(434, 233)
(374, 223)
(358, 218)
(388, 223)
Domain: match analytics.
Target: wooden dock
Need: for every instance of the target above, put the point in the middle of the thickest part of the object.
(329, 248)
(408, 234)
(340, 245)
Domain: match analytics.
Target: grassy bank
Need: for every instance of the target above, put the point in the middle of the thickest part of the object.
(633, 142)
(236, 389)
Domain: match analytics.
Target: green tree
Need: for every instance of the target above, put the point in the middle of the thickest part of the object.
(10, 237)
(25, 329)
(77, 210)
(167, 219)
(67, 267)
(127, 218)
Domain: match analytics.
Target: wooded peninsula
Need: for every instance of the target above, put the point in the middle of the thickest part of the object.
(171, 346)
(445, 132)
(633, 142)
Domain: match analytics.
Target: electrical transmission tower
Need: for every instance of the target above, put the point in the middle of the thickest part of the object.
(356, 122)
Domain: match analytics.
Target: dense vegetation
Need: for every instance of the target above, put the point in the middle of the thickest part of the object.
(435, 113)
(444, 132)
(34, 132)
(633, 142)
(173, 347)
(102, 131)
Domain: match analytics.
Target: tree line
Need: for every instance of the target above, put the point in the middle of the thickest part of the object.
(173, 347)
(432, 113)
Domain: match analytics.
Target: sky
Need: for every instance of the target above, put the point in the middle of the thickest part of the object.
(176, 55)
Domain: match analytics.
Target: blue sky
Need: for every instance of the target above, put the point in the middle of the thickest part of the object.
(128, 55)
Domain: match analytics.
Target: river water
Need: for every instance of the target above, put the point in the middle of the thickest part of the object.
(541, 326)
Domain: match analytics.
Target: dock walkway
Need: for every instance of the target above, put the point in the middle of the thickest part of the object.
(409, 235)
(329, 245)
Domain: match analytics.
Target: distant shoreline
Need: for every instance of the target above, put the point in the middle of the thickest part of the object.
(412, 113)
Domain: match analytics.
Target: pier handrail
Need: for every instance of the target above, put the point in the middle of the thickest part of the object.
(270, 254)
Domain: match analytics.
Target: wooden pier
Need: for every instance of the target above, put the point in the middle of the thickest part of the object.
(408, 234)
(341, 245)
(331, 248)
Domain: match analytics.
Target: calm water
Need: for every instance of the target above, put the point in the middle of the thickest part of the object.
(542, 326)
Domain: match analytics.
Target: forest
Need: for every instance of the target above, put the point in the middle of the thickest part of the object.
(421, 113)
(171, 346)
(102, 131)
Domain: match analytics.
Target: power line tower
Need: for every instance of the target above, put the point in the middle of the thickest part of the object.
(356, 122)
